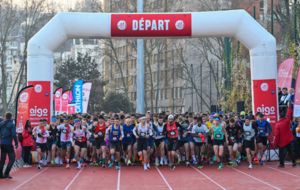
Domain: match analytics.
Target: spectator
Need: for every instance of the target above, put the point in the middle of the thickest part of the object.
(284, 136)
(291, 93)
(7, 133)
(27, 143)
(284, 101)
(279, 94)
(296, 133)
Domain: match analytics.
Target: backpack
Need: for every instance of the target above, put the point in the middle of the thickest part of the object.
(4, 125)
(20, 137)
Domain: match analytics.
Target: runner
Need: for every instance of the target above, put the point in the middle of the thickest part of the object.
(41, 135)
(135, 150)
(66, 140)
(209, 143)
(200, 133)
(171, 132)
(232, 132)
(249, 131)
(52, 140)
(193, 121)
(99, 140)
(115, 135)
(159, 143)
(142, 131)
(127, 141)
(92, 127)
(183, 141)
(150, 140)
(218, 132)
(80, 143)
(264, 131)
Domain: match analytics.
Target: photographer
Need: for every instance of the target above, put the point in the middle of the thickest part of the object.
(7, 133)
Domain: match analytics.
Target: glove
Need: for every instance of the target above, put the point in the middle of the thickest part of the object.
(40, 135)
(202, 137)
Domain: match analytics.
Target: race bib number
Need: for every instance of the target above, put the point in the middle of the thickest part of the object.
(57, 134)
(100, 133)
(160, 134)
(218, 135)
(199, 133)
(248, 133)
(79, 138)
(128, 135)
(232, 138)
(143, 134)
(65, 131)
(172, 133)
(114, 138)
(261, 131)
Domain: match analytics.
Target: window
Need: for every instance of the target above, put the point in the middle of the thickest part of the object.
(167, 93)
(155, 93)
(159, 110)
(178, 93)
(159, 95)
(14, 44)
(163, 94)
(174, 92)
(69, 57)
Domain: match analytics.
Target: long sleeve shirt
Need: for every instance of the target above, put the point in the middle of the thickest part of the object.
(8, 132)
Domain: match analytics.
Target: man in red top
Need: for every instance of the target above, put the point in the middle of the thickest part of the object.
(284, 136)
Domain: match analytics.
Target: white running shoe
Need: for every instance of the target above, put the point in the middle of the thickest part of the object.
(145, 168)
(25, 166)
(250, 166)
(148, 166)
(61, 162)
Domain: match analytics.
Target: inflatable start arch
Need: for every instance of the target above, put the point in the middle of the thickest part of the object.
(238, 24)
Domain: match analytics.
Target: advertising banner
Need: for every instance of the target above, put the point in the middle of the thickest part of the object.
(57, 101)
(86, 90)
(156, 25)
(297, 95)
(22, 108)
(285, 73)
(77, 96)
(265, 101)
(40, 101)
(71, 108)
(65, 102)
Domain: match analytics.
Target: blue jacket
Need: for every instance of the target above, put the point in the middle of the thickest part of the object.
(8, 133)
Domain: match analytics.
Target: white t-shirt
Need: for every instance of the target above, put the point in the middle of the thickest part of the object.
(66, 133)
(41, 139)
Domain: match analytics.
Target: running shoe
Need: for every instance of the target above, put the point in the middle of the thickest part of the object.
(194, 162)
(110, 165)
(256, 160)
(128, 163)
(126, 160)
(103, 165)
(141, 158)
(172, 167)
(145, 168)
(117, 168)
(68, 166)
(264, 158)
(220, 166)
(84, 164)
(148, 166)
(52, 163)
(233, 165)
(230, 162)
(96, 164)
(78, 167)
(280, 166)
(91, 164)
(211, 162)
(187, 163)
(214, 159)
(133, 163)
(298, 161)
(161, 163)
(178, 160)
(156, 164)
(239, 157)
(39, 166)
(262, 162)
(200, 166)
(294, 164)
(61, 162)
(250, 166)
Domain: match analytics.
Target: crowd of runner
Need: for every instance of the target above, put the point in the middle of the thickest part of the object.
(153, 139)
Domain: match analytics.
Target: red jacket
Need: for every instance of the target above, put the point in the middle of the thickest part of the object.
(27, 138)
(283, 133)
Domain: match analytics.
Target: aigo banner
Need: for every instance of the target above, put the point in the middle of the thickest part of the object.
(77, 96)
(40, 102)
(296, 112)
(151, 25)
(57, 101)
(265, 101)
(285, 73)
(65, 101)
(22, 108)
(86, 90)
(71, 108)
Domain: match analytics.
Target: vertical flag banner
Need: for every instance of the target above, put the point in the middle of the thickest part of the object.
(285, 73)
(57, 101)
(65, 102)
(70, 96)
(297, 95)
(40, 101)
(266, 102)
(86, 90)
(22, 108)
(71, 108)
(77, 96)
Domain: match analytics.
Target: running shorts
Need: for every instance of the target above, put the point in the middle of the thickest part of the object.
(142, 144)
(42, 146)
(150, 143)
(181, 143)
(172, 144)
(249, 144)
(49, 145)
(115, 145)
(199, 144)
(64, 145)
(209, 141)
(126, 144)
(80, 144)
(157, 142)
(262, 140)
(218, 142)
(99, 142)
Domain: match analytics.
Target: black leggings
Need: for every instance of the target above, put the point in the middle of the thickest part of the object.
(297, 147)
(27, 150)
(7, 149)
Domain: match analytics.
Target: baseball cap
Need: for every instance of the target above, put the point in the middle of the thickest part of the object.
(242, 113)
(217, 119)
(171, 116)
